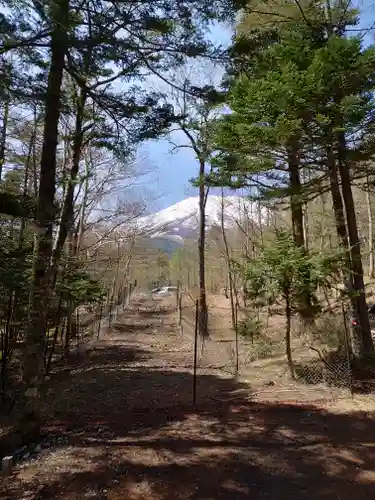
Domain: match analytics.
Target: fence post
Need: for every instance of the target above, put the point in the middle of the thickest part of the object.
(236, 332)
(195, 354)
(100, 320)
(180, 315)
(348, 349)
(123, 300)
(78, 330)
(178, 292)
(110, 313)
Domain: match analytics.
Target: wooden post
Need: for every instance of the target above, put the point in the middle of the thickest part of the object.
(236, 331)
(180, 314)
(100, 320)
(195, 354)
(7, 466)
(347, 349)
(110, 313)
(178, 293)
(77, 330)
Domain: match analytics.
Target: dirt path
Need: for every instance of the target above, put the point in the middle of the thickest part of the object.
(122, 428)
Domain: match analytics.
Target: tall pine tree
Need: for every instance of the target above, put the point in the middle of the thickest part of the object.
(300, 95)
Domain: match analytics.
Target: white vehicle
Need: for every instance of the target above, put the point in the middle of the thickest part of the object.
(166, 290)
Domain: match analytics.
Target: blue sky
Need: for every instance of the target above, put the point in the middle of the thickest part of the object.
(169, 181)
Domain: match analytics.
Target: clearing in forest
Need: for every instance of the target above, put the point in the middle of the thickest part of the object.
(122, 427)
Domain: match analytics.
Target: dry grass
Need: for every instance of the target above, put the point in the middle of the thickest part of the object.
(262, 360)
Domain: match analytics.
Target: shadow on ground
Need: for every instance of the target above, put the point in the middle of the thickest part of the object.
(133, 434)
(134, 327)
(162, 311)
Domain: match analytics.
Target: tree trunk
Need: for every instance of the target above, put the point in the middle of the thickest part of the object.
(48, 359)
(35, 163)
(362, 345)
(305, 209)
(338, 207)
(288, 348)
(321, 225)
(371, 253)
(296, 203)
(82, 215)
(26, 183)
(342, 234)
(115, 284)
(227, 257)
(66, 224)
(296, 197)
(3, 137)
(33, 369)
(260, 222)
(71, 328)
(203, 310)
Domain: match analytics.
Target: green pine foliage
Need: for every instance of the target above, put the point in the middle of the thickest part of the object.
(284, 271)
(300, 94)
(295, 89)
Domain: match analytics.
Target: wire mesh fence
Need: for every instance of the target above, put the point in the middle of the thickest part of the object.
(320, 366)
(65, 336)
(93, 322)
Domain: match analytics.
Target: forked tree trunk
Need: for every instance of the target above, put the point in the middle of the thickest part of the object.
(35, 337)
(362, 341)
(340, 222)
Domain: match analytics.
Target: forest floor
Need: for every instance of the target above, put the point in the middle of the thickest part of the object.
(122, 427)
(262, 359)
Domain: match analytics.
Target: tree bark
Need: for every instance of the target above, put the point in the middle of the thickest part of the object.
(370, 231)
(26, 181)
(288, 348)
(227, 256)
(296, 197)
(3, 137)
(321, 225)
(340, 221)
(203, 310)
(66, 224)
(33, 369)
(296, 203)
(82, 215)
(338, 206)
(362, 345)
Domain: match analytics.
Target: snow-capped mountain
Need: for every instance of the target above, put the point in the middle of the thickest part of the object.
(181, 220)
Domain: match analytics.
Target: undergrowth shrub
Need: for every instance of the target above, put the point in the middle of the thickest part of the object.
(330, 331)
(250, 328)
(262, 348)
